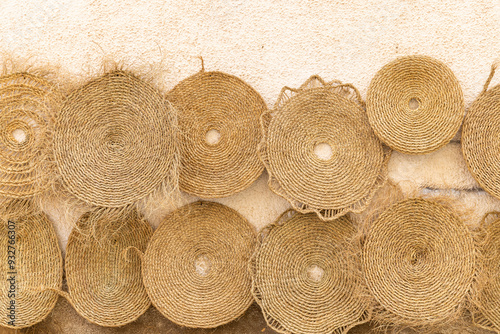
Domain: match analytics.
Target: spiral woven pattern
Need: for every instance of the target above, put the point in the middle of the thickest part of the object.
(30, 254)
(422, 80)
(28, 104)
(215, 101)
(196, 266)
(322, 115)
(419, 262)
(103, 273)
(293, 297)
(115, 140)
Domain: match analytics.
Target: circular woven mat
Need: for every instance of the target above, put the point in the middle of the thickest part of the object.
(31, 261)
(28, 104)
(196, 266)
(114, 142)
(306, 280)
(104, 277)
(419, 262)
(345, 181)
(415, 104)
(220, 103)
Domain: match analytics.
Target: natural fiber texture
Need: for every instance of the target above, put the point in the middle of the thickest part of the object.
(330, 114)
(306, 277)
(28, 105)
(115, 140)
(419, 263)
(224, 103)
(30, 263)
(480, 142)
(195, 267)
(393, 95)
(102, 271)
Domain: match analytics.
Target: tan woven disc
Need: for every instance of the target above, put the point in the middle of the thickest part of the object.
(30, 254)
(331, 187)
(196, 266)
(305, 278)
(480, 140)
(215, 101)
(103, 273)
(415, 104)
(114, 142)
(419, 262)
(28, 104)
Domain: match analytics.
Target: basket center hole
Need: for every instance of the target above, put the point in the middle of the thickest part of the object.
(19, 135)
(323, 151)
(202, 265)
(413, 104)
(417, 257)
(315, 273)
(212, 137)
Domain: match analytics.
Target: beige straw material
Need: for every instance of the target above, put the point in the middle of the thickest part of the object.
(115, 140)
(215, 101)
(480, 141)
(28, 105)
(103, 269)
(30, 266)
(196, 266)
(419, 263)
(306, 277)
(393, 95)
(322, 113)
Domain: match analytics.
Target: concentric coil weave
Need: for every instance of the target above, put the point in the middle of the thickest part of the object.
(419, 263)
(215, 101)
(28, 105)
(195, 267)
(102, 271)
(306, 277)
(480, 141)
(415, 104)
(115, 140)
(302, 119)
(31, 265)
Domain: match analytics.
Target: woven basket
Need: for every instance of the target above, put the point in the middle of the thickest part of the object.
(215, 101)
(195, 267)
(115, 140)
(392, 100)
(306, 278)
(30, 255)
(28, 104)
(103, 273)
(419, 263)
(330, 114)
(480, 142)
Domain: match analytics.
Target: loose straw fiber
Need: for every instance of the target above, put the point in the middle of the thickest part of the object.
(215, 101)
(419, 263)
(480, 141)
(392, 99)
(28, 104)
(306, 278)
(115, 140)
(196, 266)
(302, 119)
(31, 264)
(102, 271)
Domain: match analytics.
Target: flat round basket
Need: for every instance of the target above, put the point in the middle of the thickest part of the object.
(219, 120)
(196, 266)
(31, 264)
(115, 140)
(28, 105)
(419, 263)
(306, 278)
(102, 271)
(415, 104)
(303, 121)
